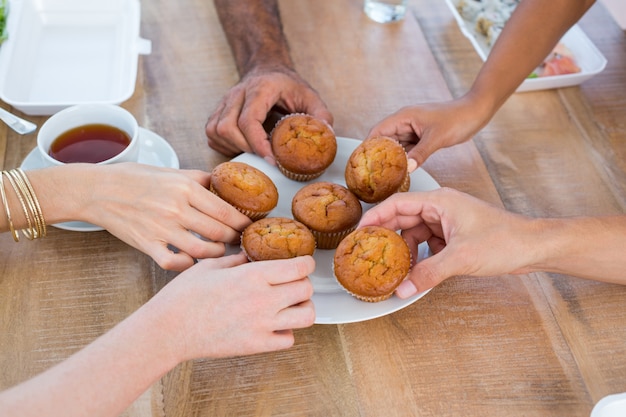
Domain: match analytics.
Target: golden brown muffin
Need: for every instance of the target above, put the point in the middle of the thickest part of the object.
(303, 146)
(371, 262)
(244, 187)
(277, 238)
(376, 169)
(330, 210)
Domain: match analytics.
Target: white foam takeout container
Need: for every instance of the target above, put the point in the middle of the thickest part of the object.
(65, 52)
(588, 57)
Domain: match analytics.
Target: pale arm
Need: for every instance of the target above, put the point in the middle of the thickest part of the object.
(146, 207)
(217, 308)
(471, 237)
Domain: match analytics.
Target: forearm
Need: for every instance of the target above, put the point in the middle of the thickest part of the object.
(104, 378)
(60, 191)
(255, 34)
(527, 39)
(587, 247)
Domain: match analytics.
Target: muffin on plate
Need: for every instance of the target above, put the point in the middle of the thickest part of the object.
(245, 187)
(376, 169)
(303, 146)
(276, 238)
(330, 210)
(371, 262)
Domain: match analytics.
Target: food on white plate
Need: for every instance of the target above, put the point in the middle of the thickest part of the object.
(560, 61)
(4, 11)
(488, 18)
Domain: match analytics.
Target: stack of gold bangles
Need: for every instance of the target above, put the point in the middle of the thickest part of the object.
(30, 205)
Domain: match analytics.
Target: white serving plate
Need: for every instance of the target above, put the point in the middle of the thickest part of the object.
(65, 52)
(333, 305)
(588, 57)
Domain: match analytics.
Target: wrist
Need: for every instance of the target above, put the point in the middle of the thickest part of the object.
(64, 191)
(482, 104)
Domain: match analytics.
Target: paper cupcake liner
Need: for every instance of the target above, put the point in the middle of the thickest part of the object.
(406, 184)
(330, 240)
(372, 299)
(252, 214)
(298, 177)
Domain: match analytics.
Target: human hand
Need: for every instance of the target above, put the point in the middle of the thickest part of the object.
(237, 125)
(151, 208)
(467, 236)
(423, 129)
(227, 307)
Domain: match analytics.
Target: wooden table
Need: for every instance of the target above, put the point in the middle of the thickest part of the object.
(531, 345)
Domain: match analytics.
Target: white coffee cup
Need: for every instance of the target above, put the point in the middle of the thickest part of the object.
(90, 114)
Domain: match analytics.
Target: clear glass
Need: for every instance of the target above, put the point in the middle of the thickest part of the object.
(385, 11)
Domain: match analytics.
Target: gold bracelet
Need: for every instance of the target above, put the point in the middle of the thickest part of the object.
(25, 209)
(16, 237)
(34, 202)
(30, 204)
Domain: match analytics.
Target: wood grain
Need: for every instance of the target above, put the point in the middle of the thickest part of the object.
(530, 345)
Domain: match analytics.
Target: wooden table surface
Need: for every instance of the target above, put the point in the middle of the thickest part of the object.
(531, 345)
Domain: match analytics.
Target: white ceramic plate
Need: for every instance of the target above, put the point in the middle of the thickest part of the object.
(588, 57)
(154, 151)
(332, 304)
(64, 52)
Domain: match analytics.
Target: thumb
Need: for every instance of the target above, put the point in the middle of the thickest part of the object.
(321, 112)
(420, 153)
(425, 275)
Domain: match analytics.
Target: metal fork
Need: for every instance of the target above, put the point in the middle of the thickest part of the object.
(21, 126)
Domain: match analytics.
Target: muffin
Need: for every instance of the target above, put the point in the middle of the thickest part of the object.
(376, 169)
(303, 146)
(330, 210)
(276, 238)
(245, 187)
(371, 262)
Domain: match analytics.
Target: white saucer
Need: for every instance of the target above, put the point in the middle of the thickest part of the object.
(154, 151)
(613, 405)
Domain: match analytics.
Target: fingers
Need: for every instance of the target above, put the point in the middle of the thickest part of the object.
(399, 211)
(180, 260)
(297, 316)
(222, 128)
(425, 275)
(251, 125)
(420, 153)
(282, 271)
(228, 261)
(224, 222)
